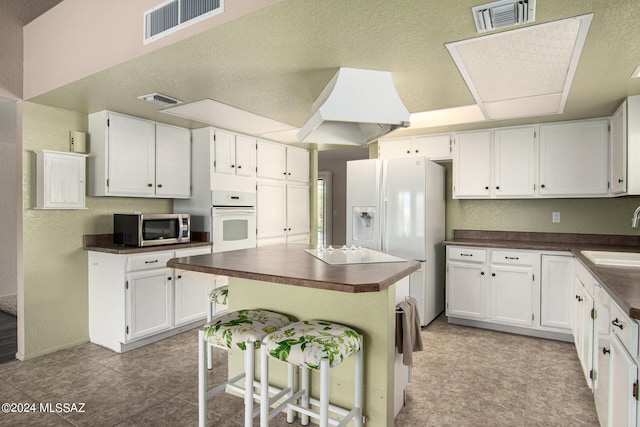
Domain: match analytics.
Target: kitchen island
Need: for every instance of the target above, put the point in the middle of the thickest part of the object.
(287, 279)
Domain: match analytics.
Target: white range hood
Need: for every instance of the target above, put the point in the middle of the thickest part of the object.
(355, 108)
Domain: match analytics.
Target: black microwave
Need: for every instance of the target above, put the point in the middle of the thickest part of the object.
(151, 229)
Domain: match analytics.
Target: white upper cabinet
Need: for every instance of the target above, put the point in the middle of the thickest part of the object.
(173, 161)
(472, 164)
(433, 147)
(127, 158)
(514, 162)
(234, 154)
(271, 160)
(60, 180)
(618, 156)
(297, 164)
(277, 161)
(574, 159)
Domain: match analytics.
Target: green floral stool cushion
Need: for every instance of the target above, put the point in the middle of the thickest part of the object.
(232, 330)
(219, 295)
(306, 343)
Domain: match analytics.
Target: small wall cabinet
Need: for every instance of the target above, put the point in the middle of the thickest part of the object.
(433, 147)
(277, 161)
(60, 180)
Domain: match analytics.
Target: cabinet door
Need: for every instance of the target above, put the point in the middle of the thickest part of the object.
(271, 209)
(191, 296)
(556, 291)
(394, 148)
(433, 147)
(465, 290)
(583, 333)
(61, 180)
(618, 160)
(512, 295)
(245, 156)
(131, 156)
(297, 209)
(472, 164)
(173, 161)
(514, 162)
(225, 153)
(297, 165)
(271, 160)
(623, 376)
(574, 159)
(148, 302)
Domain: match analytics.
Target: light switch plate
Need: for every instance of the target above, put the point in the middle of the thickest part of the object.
(555, 216)
(77, 141)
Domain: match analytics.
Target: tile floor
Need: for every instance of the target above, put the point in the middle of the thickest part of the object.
(467, 377)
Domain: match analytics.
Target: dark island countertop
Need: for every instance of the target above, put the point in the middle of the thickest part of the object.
(621, 283)
(104, 243)
(289, 264)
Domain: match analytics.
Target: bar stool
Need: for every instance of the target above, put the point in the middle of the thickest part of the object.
(318, 345)
(243, 330)
(218, 296)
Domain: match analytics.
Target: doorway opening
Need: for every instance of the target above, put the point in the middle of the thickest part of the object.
(325, 208)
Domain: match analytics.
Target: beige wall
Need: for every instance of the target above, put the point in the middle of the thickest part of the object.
(10, 56)
(55, 55)
(55, 312)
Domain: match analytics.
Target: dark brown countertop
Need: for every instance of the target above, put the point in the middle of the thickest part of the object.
(621, 283)
(104, 243)
(289, 264)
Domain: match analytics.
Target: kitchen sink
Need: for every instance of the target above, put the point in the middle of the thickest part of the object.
(619, 259)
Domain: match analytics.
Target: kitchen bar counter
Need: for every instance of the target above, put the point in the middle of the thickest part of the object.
(104, 243)
(622, 283)
(291, 265)
(286, 279)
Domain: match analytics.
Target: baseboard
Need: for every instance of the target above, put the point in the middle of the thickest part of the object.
(538, 333)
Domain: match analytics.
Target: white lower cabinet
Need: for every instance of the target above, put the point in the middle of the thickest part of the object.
(556, 285)
(623, 386)
(135, 299)
(501, 289)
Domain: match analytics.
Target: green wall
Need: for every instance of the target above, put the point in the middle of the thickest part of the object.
(588, 216)
(55, 265)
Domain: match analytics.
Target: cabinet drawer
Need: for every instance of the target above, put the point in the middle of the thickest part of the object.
(513, 258)
(193, 251)
(148, 261)
(467, 254)
(624, 328)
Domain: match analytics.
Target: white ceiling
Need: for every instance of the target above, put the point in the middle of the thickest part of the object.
(274, 62)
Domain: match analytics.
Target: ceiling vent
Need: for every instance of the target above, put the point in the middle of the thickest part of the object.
(160, 99)
(504, 13)
(174, 15)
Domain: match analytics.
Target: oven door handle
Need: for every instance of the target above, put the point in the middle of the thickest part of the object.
(216, 211)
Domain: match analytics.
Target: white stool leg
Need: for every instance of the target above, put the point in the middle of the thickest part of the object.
(209, 347)
(304, 420)
(202, 380)
(291, 385)
(249, 369)
(324, 393)
(359, 385)
(264, 387)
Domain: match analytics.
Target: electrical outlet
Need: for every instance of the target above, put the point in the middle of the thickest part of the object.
(555, 217)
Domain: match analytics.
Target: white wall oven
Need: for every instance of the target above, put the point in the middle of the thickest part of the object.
(233, 221)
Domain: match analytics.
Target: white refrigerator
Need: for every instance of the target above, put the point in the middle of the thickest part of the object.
(397, 206)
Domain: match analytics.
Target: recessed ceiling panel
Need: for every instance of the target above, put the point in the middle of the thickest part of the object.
(535, 62)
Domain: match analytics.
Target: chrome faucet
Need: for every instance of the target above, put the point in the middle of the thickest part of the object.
(635, 221)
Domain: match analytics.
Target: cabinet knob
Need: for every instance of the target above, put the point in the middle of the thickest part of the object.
(180, 276)
(169, 278)
(606, 351)
(543, 186)
(620, 181)
(579, 298)
(493, 274)
(233, 166)
(159, 185)
(289, 229)
(284, 173)
(482, 273)
(149, 185)
(617, 323)
(239, 166)
(417, 151)
(408, 151)
(497, 187)
(486, 188)
(289, 173)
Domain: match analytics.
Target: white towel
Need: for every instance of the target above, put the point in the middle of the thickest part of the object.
(408, 331)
